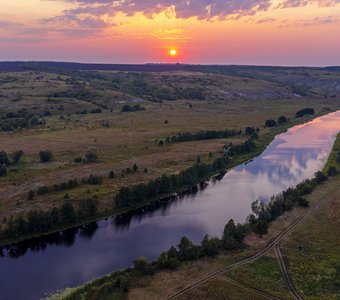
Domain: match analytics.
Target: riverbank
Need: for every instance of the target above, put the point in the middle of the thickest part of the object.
(151, 287)
(264, 139)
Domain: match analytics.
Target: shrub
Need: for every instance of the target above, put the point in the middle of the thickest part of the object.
(45, 156)
(332, 171)
(282, 120)
(3, 170)
(91, 155)
(270, 123)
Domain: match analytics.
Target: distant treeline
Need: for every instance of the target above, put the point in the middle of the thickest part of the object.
(202, 135)
(210, 135)
(39, 221)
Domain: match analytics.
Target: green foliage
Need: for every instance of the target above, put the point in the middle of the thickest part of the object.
(93, 180)
(16, 156)
(233, 235)
(210, 246)
(282, 120)
(270, 123)
(4, 158)
(30, 195)
(203, 135)
(304, 112)
(261, 227)
(128, 108)
(332, 171)
(45, 156)
(91, 156)
(3, 170)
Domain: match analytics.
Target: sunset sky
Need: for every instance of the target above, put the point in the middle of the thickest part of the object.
(269, 32)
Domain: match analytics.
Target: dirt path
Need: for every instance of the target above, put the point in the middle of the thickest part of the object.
(269, 246)
(285, 273)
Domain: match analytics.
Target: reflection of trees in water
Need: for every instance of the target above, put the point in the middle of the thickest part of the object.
(64, 238)
(122, 222)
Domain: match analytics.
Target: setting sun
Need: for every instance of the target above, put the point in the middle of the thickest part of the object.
(173, 52)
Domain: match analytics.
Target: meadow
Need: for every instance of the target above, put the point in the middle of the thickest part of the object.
(74, 112)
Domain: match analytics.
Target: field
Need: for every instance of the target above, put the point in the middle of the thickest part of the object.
(71, 112)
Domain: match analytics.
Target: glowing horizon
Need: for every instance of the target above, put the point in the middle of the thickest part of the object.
(264, 32)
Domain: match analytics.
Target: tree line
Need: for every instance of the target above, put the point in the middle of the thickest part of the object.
(66, 185)
(121, 281)
(202, 135)
(166, 184)
(40, 221)
(263, 213)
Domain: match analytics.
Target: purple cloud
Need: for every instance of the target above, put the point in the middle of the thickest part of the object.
(298, 3)
(202, 9)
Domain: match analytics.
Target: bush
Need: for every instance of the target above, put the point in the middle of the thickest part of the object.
(16, 155)
(30, 195)
(91, 155)
(332, 171)
(45, 156)
(270, 123)
(3, 170)
(77, 159)
(304, 112)
(320, 177)
(282, 120)
(303, 202)
(4, 158)
(261, 227)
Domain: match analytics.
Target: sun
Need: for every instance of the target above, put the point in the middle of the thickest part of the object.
(173, 52)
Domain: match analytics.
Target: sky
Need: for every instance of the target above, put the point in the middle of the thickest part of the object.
(263, 32)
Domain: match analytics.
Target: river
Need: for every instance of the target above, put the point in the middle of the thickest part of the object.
(33, 268)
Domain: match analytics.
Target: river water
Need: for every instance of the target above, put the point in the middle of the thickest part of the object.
(33, 268)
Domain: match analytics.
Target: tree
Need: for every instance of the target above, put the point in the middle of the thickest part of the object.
(282, 120)
(270, 123)
(250, 130)
(142, 265)
(4, 158)
(261, 227)
(111, 175)
(337, 157)
(210, 246)
(30, 195)
(233, 235)
(320, 177)
(16, 155)
(135, 167)
(166, 262)
(3, 170)
(303, 202)
(91, 155)
(332, 171)
(68, 213)
(187, 250)
(45, 156)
